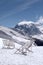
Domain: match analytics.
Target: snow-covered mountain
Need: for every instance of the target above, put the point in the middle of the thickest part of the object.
(30, 29)
(27, 28)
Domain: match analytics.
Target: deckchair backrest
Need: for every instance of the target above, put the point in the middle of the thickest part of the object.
(28, 44)
(8, 43)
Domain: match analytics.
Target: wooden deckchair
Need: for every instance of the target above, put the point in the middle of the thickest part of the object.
(25, 48)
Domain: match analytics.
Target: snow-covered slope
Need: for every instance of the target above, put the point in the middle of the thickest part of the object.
(7, 57)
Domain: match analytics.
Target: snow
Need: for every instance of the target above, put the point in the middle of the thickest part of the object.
(40, 36)
(7, 57)
(38, 22)
(17, 46)
(20, 39)
(25, 22)
(1, 43)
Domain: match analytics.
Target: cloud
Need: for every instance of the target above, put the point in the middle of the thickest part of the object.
(40, 20)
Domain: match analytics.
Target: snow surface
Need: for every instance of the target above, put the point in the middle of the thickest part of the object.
(40, 36)
(25, 22)
(1, 43)
(20, 39)
(7, 57)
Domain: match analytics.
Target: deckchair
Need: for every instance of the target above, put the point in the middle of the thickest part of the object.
(25, 48)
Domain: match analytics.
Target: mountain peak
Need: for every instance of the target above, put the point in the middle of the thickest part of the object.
(27, 28)
(25, 22)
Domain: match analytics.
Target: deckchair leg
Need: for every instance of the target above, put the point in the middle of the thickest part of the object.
(18, 50)
(30, 50)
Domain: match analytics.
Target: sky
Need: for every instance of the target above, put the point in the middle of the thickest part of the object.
(15, 11)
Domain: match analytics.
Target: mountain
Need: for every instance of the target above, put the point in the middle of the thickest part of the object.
(32, 30)
(27, 28)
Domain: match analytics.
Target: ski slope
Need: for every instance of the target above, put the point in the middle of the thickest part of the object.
(7, 57)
